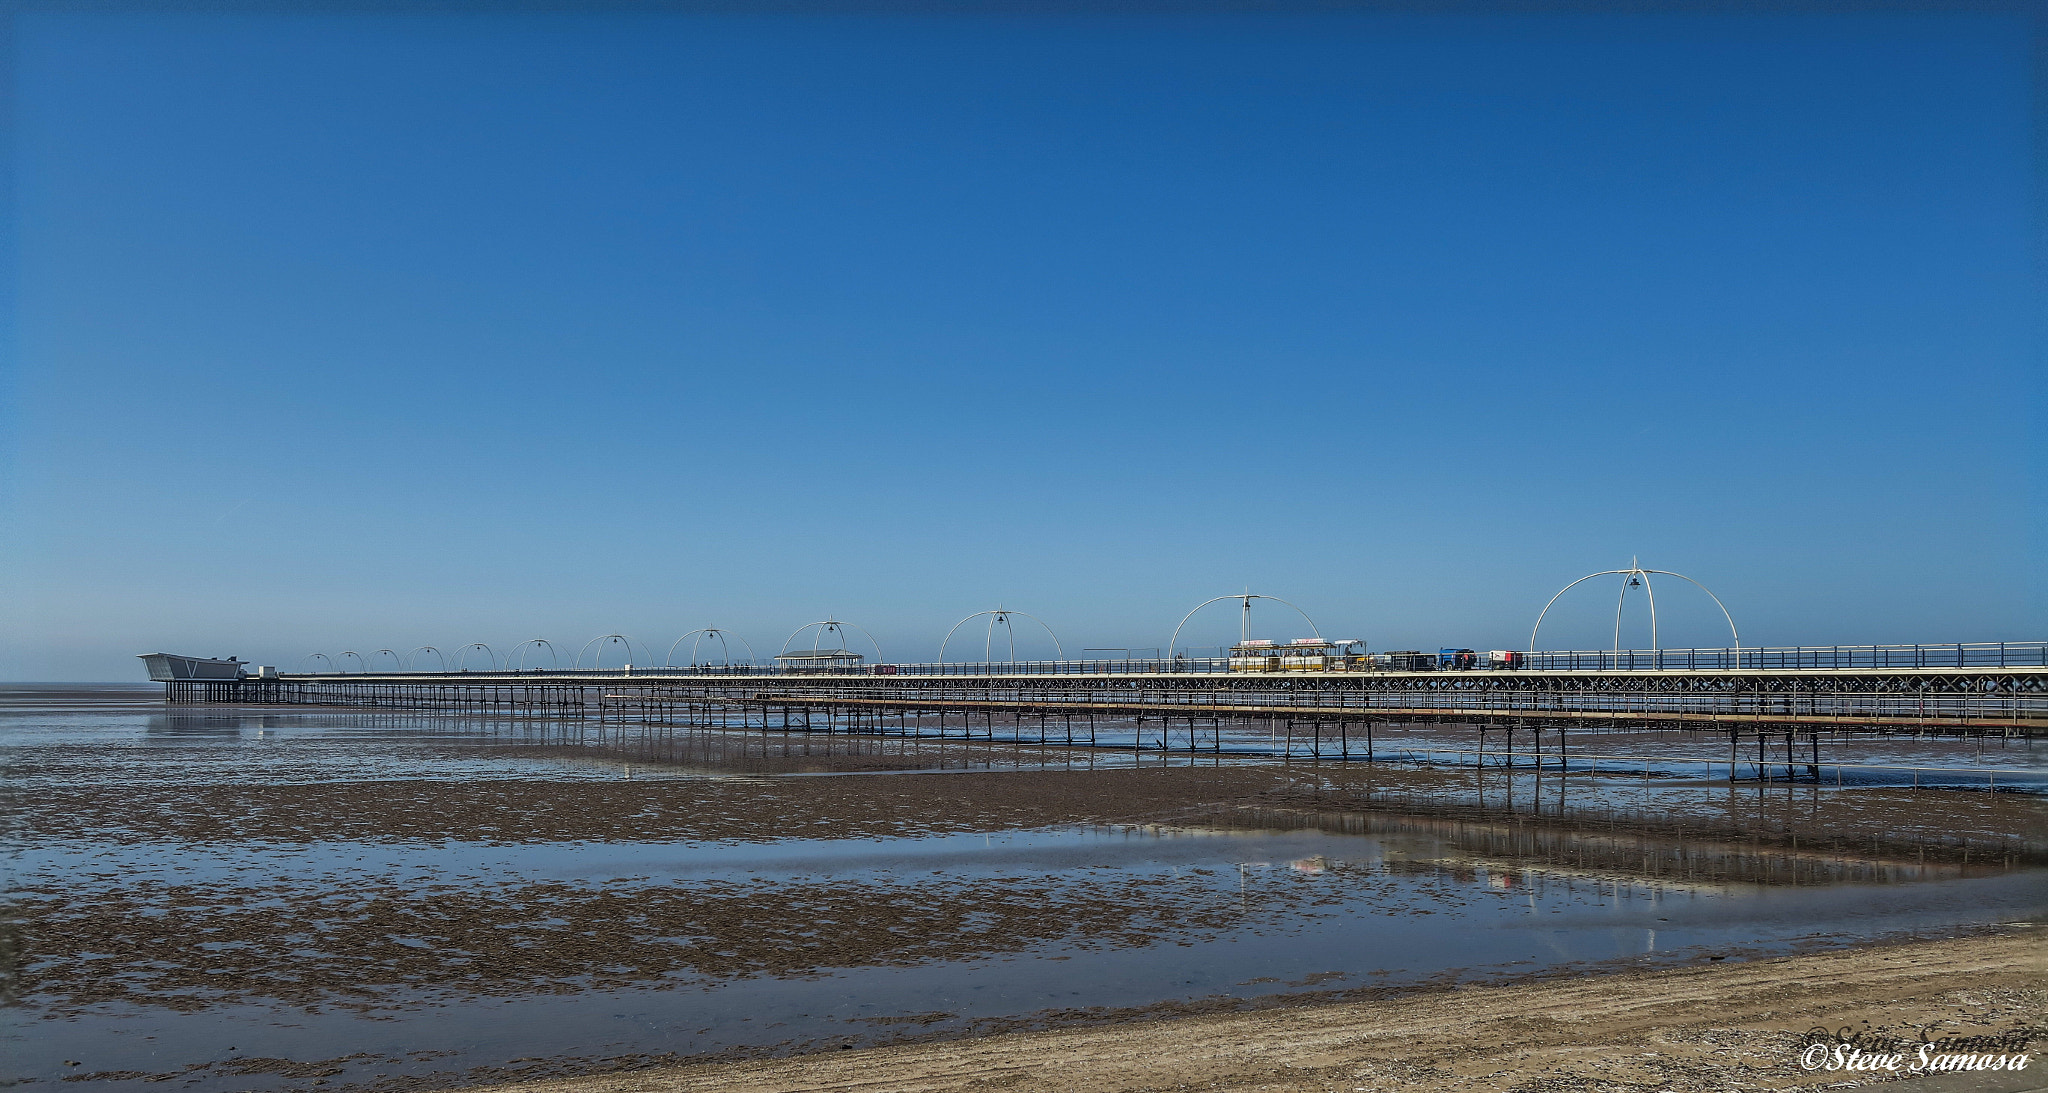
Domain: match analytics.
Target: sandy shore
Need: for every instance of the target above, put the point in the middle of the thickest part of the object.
(1715, 1027)
(254, 887)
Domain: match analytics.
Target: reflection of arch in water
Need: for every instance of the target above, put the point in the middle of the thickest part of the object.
(427, 649)
(316, 656)
(725, 652)
(1635, 576)
(395, 658)
(1244, 624)
(597, 661)
(835, 626)
(1001, 615)
(362, 666)
(554, 662)
(462, 658)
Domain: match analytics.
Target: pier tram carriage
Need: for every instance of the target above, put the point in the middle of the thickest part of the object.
(1300, 655)
(1349, 655)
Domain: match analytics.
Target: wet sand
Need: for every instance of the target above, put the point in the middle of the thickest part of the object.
(2007, 826)
(315, 899)
(191, 948)
(1710, 1028)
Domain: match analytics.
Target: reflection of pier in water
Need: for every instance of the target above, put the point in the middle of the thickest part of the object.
(1581, 799)
(1469, 848)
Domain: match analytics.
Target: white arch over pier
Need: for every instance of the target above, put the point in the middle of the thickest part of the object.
(701, 635)
(836, 626)
(1633, 575)
(1002, 615)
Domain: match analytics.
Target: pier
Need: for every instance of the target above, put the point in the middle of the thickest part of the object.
(1998, 688)
(1777, 708)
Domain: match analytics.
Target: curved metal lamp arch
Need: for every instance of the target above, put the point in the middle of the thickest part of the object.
(669, 661)
(708, 632)
(311, 656)
(840, 625)
(462, 660)
(1247, 598)
(596, 661)
(1644, 575)
(395, 658)
(554, 659)
(362, 666)
(427, 649)
(1001, 612)
(724, 651)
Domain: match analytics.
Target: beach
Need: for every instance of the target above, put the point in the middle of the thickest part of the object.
(1707, 1028)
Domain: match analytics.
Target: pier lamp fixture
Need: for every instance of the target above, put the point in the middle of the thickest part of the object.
(604, 642)
(311, 657)
(837, 629)
(462, 658)
(519, 650)
(1635, 576)
(1001, 615)
(1244, 617)
(427, 649)
(703, 635)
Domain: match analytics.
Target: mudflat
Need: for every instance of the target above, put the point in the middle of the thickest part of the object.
(1710, 1027)
(292, 901)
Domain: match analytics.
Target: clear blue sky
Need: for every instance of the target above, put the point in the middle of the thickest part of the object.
(347, 331)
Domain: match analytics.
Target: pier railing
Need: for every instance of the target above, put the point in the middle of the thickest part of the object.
(1986, 654)
(950, 668)
(1965, 655)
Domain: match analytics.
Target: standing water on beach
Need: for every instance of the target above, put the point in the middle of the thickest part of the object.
(236, 899)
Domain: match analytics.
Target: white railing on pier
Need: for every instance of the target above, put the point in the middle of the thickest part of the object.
(1983, 654)
(1962, 655)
